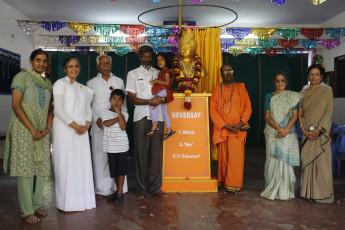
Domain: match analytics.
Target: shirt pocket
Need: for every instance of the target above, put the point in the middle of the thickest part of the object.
(140, 85)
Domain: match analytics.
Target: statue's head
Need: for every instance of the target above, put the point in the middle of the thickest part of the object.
(187, 44)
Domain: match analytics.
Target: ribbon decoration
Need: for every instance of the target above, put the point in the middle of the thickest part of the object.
(288, 44)
(113, 41)
(268, 43)
(29, 27)
(135, 42)
(80, 28)
(279, 2)
(163, 49)
(264, 33)
(247, 42)
(227, 42)
(308, 44)
(329, 44)
(90, 39)
(174, 50)
(254, 51)
(122, 50)
(102, 49)
(53, 26)
(50, 39)
(132, 31)
(271, 52)
(157, 41)
(317, 59)
(317, 2)
(83, 50)
(289, 33)
(235, 51)
(336, 33)
(157, 31)
(106, 29)
(173, 41)
(238, 33)
(68, 40)
(312, 33)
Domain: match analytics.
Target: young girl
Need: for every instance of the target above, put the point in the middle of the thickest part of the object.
(162, 87)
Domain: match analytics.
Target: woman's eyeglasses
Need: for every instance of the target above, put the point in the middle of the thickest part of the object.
(278, 81)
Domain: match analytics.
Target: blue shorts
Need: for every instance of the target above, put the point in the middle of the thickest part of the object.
(119, 164)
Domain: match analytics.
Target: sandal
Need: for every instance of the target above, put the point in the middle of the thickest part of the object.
(154, 131)
(167, 135)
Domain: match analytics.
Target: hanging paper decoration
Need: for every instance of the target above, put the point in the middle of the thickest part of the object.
(196, 1)
(173, 41)
(102, 49)
(336, 33)
(80, 28)
(235, 51)
(132, 31)
(29, 27)
(308, 44)
(157, 31)
(174, 50)
(291, 52)
(83, 50)
(317, 2)
(64, 49)
(268, 44)
(254, 51)
(264, 33)
(90, 39)
(157, 41)
(105, 29)
(50, 39)
(135, 42)
(163, 49)
(238, 33)
(227, 42)
(113, 41)
(312, 33)
(288, 44)
(68, 40)
(53, 26)
(329, 44)
(122, 50)
(289, 33)
(317, 59)
(271, 52)
(247, 42)
(279, 2)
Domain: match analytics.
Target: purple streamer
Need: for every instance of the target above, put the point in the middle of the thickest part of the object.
(68, 40)
(174, 50)
(227, 42)
(279, 2)
(239, 33)
(329, 44)
(83, 50)
(53, 26)
(173, 41)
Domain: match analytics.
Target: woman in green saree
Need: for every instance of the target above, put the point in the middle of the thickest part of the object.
(282, 151)
(27, 146)
(315, 117)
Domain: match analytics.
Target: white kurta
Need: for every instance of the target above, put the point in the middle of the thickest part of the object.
(71, 155)
(104, 184)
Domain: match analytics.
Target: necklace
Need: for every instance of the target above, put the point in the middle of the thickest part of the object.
(229, 101)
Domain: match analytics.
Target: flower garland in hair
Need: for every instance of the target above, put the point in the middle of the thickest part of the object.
(188, 83)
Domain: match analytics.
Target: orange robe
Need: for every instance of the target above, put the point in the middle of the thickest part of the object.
(230, 145)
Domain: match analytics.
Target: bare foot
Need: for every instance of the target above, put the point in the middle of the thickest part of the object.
(141, 196)
(99, 196)
(222, 191)
(41, 212)
(31, 219)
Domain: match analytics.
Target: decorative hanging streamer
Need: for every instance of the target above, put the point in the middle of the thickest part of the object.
(336, 33)
(157, 31)
(50, 39)
(64, 49)
(90, 39)
(235, 51)
(264, 33)
(329, 44)
(53, 26)
(173, 41)
(247, 42)
(175, 29)
(161, 49)
(155, 1)
(102, 49)
(80, 28)
(289, 33)
(196, 1)
(122, 50)
(106, 29)
(268, 44)
(227, 42)
(174, 50)
(317, 59)
(113, 41)
(157, 41)
(254, 51)
(317, 2)
(288, 44)
(279, 2)
(291, 52)
(135, 42)
(308, 44)
(271, 52)
(132, 31)
(238, 33)
(312, 33)
(29, 27)
(83, 50)
(68, 40)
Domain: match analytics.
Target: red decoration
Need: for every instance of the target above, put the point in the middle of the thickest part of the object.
(312, 34)
(271, 52)
(288, 44)
(132, 31)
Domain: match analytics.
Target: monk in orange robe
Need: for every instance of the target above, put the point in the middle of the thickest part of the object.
(230, 110)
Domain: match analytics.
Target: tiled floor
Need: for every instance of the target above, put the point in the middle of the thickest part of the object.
(187, 210)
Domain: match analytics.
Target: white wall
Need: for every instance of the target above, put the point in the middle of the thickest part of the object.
(12, 38)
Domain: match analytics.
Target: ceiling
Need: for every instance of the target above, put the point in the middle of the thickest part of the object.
(251, 13)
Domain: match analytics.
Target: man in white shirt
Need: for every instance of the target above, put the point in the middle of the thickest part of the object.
(103, 84)
(147, 149)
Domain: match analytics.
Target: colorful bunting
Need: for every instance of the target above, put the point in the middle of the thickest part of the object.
(157, 41)
(271, 52)
(238, 33)
(53, 26)
(157, 31)
(336, 33)
(29, 27)
(247, 42)
(68, 40)
(308, 44)
(317, 2)
(329, 44)
(263, 33)
(279, 2)
(235, 51)
(102, 49)
(312, 33)
(90, 39)
(288, 44)
(80, 28)
(113, 41)
(254, 51)
(227, 42)
(122, 50)
(163, 49)
(132, 30)
(83, 50)
(106, 29)
(268, 44)
(289, 33)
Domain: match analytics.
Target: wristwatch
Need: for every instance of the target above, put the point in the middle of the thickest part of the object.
(163, 99)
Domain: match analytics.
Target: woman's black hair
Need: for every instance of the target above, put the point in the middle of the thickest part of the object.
(280, 73)
(67, 60)
(168, 61)
(37, 52)
(316, 66)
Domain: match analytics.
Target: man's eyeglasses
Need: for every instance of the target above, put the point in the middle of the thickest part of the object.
(314, 74)
(228, 71)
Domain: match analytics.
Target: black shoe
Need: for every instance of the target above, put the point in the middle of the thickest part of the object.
(119, 200)
(112, 197)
